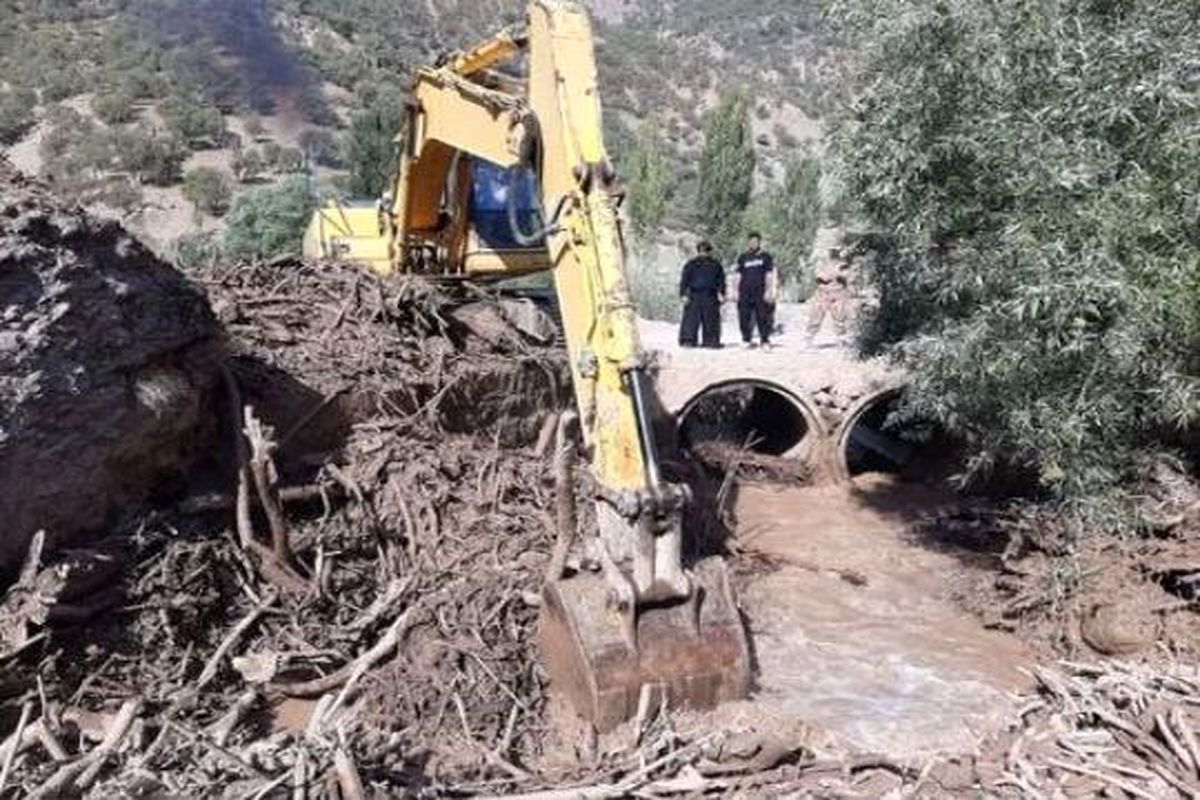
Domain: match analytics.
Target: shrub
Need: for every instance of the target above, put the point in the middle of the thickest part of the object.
(281, 159)
(122, 194)
(249, 165)
(16, 114)
(208, 190)
(269, 222)
(113, 108)
(141, 84)
(655, 288)
(195, 250)
(321, 147)
(195, 124)
(150, 157)
(254, 127)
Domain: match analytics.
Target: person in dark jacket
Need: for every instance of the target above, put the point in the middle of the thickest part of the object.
(756, 290)
(702, 287)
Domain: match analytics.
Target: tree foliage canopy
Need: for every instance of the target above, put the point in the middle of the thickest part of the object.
(1030, 173)
(196, 124)
(726, 172)
(649, 179)
(208, 189)
(371, 147)
(789, 216)
(269, 222)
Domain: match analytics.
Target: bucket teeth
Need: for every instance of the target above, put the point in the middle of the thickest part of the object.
(691, 654)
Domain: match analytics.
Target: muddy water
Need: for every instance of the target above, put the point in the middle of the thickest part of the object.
(856, 633)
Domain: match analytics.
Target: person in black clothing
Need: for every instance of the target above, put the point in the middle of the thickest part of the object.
(702, 287)
(756, 290)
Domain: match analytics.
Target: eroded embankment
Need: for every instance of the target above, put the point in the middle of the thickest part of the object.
(107, 357)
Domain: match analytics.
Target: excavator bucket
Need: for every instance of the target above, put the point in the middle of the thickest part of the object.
(693, 654)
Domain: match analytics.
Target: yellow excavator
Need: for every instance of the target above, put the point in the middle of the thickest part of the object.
(503, 172)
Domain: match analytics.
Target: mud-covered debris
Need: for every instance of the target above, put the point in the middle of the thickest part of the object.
(106, 359)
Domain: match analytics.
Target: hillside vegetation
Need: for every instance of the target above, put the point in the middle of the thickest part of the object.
(164, 111)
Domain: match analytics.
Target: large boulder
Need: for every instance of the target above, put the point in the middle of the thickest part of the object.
(107, 363)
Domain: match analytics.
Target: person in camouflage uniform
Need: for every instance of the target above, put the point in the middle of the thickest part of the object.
(832, 297)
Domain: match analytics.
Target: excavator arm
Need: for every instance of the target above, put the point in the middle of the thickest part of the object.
(644, 623)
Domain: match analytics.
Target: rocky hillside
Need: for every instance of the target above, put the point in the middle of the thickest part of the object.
(164, 112)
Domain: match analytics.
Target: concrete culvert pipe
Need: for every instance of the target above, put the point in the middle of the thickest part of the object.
(764, 418)
(873, 439)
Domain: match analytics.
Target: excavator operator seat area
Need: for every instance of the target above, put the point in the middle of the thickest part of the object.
(492, 189)
(493, 245)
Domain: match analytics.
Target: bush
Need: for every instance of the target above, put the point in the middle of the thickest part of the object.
(208, 190)
(789, 216)
(371, 148)
(113, 109)
(150, 157)
(195, 250)
(249, 165)
(281, 159)
(141, 84)
(269, 222)
(16, 114)
(1028, 171)
(254, 127)
(195, 124)
(321, 147)
(122, 194)
(59, 82)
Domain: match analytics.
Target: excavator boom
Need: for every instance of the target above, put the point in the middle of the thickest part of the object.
(502, 174)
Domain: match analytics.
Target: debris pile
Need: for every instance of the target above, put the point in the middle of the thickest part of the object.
(340, 599)
(106, 359)
(1108, 730)
(343, 521)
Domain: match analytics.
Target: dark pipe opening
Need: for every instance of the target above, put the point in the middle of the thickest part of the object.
(880, 439)
(762, 419)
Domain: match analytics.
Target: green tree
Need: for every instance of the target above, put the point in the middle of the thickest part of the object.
(269, 222)
(113, 108)
(208, 190)
(726, 172)
(371, 148)
(320, 147)
(195, 124)
(149, 157)
(1028, 175)
(249, 164)
(789, 216)
(649, 178)
(16, 114)
(280, 159)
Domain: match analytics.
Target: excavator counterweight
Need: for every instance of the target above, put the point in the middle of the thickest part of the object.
(503, 172)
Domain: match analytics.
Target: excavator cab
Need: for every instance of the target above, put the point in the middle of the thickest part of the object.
(502, 173)
(493, 190)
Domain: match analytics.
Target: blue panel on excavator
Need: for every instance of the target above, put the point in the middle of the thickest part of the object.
(490, 195)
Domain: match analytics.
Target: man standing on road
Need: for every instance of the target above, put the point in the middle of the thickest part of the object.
(756, 289)
(832, 296)
(702, 287)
